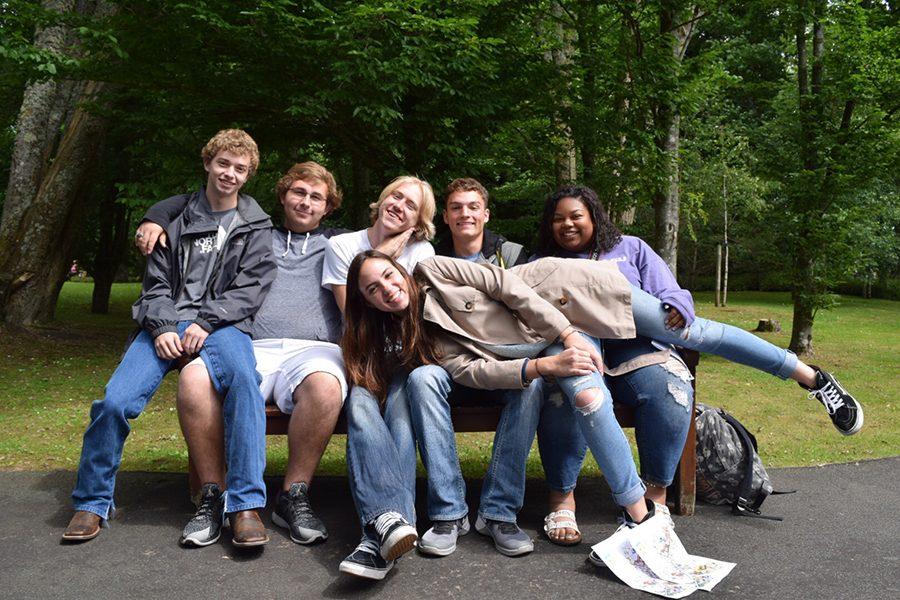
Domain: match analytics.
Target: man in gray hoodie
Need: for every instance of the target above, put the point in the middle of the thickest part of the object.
(295, 335)
(198, 297)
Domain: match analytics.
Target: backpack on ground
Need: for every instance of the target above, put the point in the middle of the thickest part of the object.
(729, 470)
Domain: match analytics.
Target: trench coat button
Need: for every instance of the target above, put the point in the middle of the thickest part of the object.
(563, 301)
(469, 305)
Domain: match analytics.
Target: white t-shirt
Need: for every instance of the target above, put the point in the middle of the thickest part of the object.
(342, 249)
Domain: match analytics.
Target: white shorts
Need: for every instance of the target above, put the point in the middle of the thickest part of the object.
(284, 363)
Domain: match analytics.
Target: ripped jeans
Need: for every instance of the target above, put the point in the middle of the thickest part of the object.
(563, 452)
(601, 432)
(661, 396)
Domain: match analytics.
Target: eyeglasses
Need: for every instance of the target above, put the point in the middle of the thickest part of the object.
(303, 194)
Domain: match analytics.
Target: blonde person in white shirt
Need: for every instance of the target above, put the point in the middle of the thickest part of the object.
(402, 225)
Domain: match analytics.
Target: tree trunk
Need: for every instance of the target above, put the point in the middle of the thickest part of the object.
(112, 247)
(802, 326)
(56, 143)
(725, 278)
(565, 162)
(666, 202)
(718, 274)
(808, 200)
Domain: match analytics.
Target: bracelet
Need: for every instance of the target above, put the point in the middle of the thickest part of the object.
(537, 367)
(563, 338)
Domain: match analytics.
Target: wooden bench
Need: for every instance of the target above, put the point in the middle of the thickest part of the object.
(681, 493)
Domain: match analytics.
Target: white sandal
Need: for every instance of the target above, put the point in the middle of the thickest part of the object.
(568, 522)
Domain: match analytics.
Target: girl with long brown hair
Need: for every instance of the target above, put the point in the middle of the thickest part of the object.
(499, 329)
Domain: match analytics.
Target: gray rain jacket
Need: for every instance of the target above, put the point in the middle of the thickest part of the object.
(243, 272)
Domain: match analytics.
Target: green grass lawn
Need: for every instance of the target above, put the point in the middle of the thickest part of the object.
(49, 377)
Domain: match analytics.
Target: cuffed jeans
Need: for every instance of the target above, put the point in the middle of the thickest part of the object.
(228, 355)
(429, 389)
(381, 453)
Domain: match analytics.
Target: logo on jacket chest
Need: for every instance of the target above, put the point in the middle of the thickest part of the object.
(206, 244)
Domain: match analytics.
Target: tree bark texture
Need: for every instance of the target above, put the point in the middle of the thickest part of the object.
(666, 201)
(56, 143)
(566, 164)
(113, 246)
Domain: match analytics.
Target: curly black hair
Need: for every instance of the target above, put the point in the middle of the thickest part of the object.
(606, 234)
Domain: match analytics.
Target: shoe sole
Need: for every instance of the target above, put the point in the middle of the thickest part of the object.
(80, 538)
(859, 422)
(189, 542)
(253, 544)
(435, 551)
(361, 571)
(505, 551)
(318, 536)
(399, 543)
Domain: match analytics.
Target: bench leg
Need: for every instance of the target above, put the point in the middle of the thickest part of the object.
(683, 490)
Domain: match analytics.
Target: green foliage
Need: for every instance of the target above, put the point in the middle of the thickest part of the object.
(377, 88)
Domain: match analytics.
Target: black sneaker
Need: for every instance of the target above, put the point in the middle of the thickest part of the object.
(366, 561)
(293, 512)
(205, 527)
(396, 537)
(845, 412)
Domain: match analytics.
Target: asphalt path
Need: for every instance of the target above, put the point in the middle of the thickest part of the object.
(840, 538)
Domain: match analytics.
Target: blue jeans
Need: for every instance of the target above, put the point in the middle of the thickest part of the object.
(381, 453)
(228, 355)
(711, 337)
(661, 426)
(601, 432)
(429, 390)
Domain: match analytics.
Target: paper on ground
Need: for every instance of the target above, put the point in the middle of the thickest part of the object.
(651, 558)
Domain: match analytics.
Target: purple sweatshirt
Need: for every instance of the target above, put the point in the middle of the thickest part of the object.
(645, 269)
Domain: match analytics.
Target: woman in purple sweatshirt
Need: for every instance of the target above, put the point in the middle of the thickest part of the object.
(641, 373)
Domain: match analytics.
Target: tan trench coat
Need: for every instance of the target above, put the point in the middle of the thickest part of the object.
(476, 306)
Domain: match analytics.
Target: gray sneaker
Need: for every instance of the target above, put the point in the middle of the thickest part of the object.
(440, 540)
(508, 538)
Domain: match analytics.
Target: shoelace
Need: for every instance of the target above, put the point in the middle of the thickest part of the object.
(829, 396)
(300, 508)
(368, 546)
(507, 528)
(384, 522)
(207, 507)
(445, 527)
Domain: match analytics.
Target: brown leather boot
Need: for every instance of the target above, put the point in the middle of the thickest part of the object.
(84, 526)
(247, 529)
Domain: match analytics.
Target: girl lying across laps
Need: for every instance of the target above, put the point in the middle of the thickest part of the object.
(499, 329)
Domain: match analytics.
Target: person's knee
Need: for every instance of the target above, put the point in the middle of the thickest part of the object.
(430, 377)
(321, 389)
(589, 401)
(112, 406)
(704, 331)
(195, 389)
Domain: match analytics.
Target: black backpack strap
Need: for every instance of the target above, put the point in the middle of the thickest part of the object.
(741, 505)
